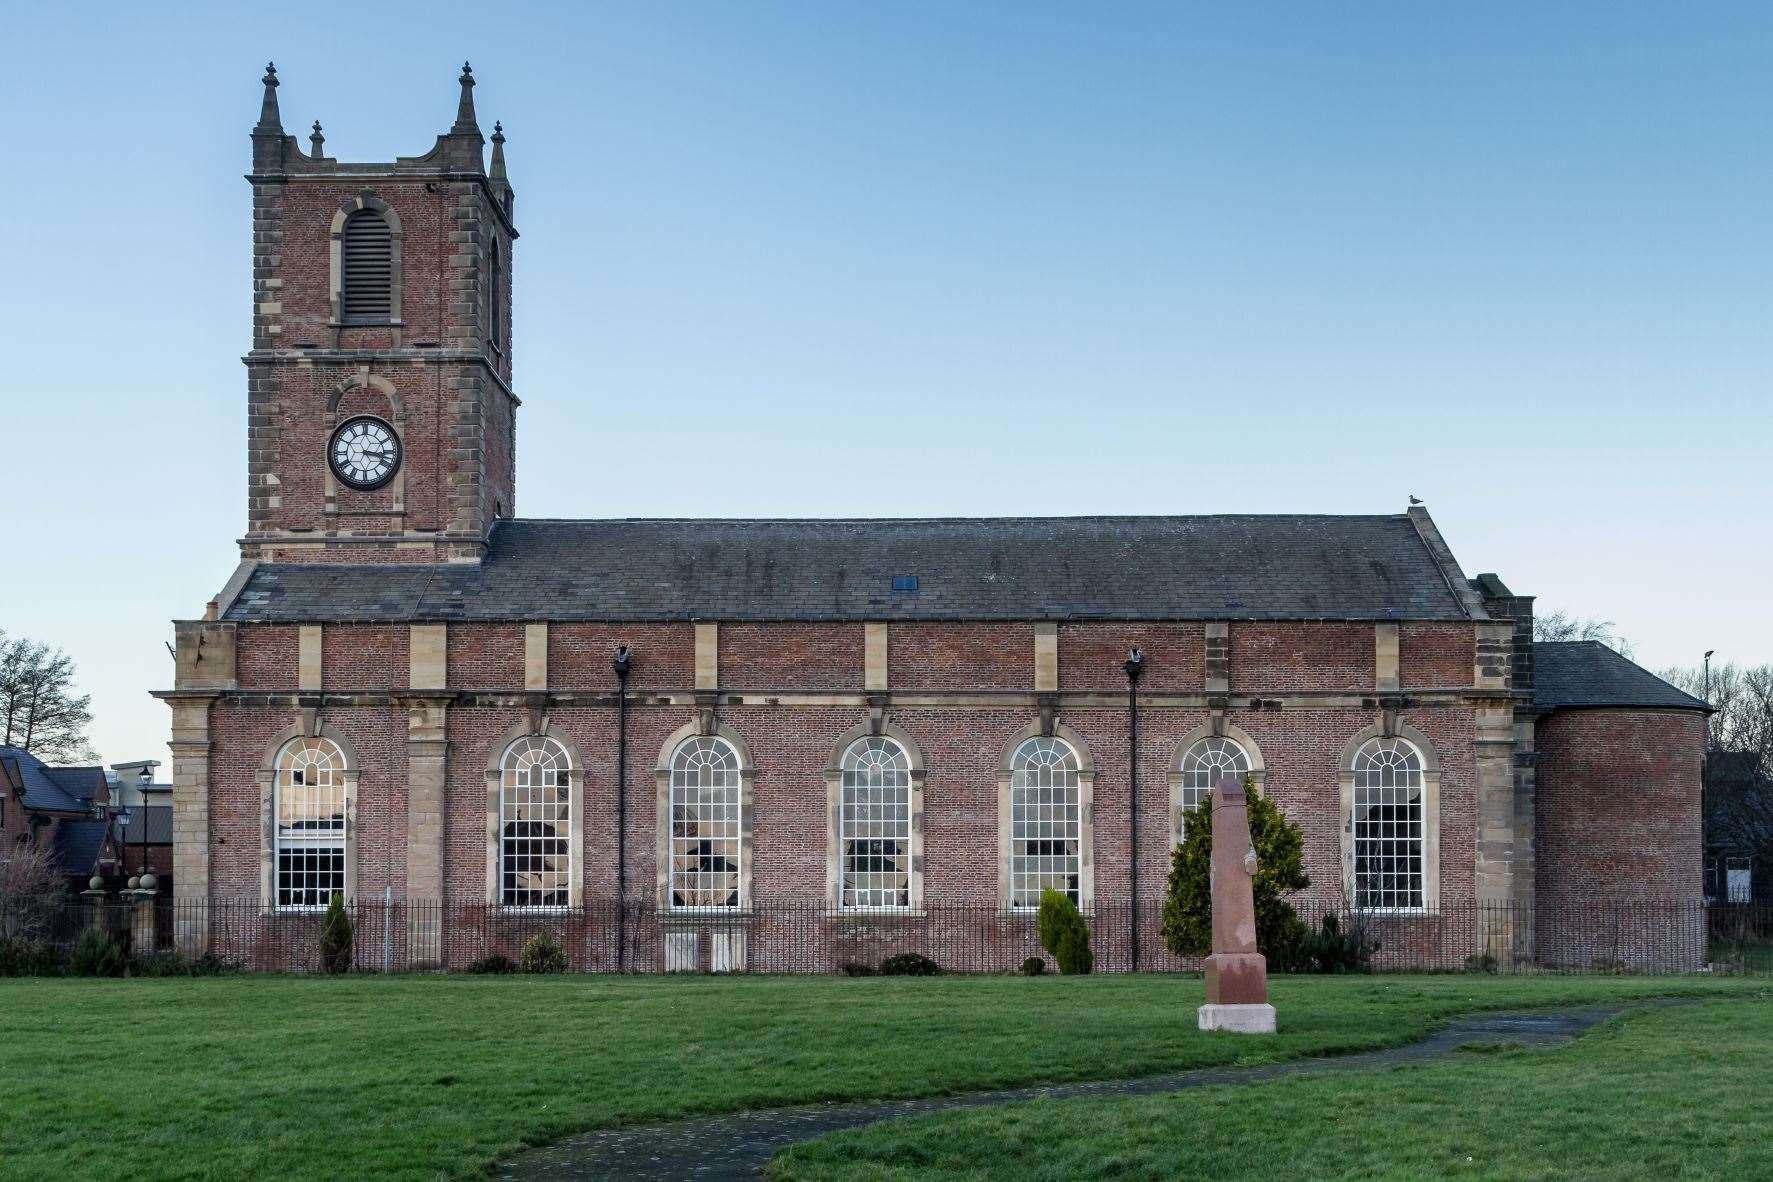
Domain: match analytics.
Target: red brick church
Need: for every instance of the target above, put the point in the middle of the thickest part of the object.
(407, 691)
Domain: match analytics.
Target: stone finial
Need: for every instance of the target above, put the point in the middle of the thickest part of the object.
(465, 121)
(270, 119)
(498, 152)
(317, 142)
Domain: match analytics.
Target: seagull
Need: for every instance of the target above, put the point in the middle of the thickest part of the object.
(1414, 500)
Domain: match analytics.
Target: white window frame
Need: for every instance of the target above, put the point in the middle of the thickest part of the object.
(1203, 763)
(1414, 767)
(566, 823)
(675, 788)
(1017, 810)
(285, 775)
(899, 829)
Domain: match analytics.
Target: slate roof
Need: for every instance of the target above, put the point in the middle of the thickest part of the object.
(1219, 567)
(1573, 674)
(78, 845)
(52, 789)
(148, 825)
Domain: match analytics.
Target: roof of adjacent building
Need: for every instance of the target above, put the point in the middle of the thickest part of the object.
(78, 845)
(51, 789)
(1573, 674)
(1021, 568)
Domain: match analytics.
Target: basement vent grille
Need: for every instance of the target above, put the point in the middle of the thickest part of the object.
(369, 267)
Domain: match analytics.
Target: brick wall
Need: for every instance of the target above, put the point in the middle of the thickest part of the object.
(963, 746)
(1618, 804)
(1278, 656)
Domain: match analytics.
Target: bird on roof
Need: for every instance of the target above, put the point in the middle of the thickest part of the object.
(1415, 500)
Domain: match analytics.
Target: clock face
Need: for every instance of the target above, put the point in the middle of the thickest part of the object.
(365, 452)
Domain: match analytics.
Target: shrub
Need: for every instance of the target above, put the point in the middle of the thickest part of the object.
(909, 964)
(1482, 962)
(1034, 966)
(98, 953)
(28, 958)
(1334, 948)
(172, 964)
(1064, 933)
(856, 968)
(335, 937)
(498, 962)
(1280, 871)
(542, 953)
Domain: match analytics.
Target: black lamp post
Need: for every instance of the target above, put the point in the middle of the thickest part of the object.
(623, 663)
(1134, 666)
(144, 781)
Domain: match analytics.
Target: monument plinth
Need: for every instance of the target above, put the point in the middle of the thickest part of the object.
(1237, 974)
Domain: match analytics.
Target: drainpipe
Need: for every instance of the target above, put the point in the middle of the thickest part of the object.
(1134, 666)
(622, 663)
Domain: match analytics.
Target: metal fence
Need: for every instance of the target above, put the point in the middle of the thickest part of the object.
(392, 935)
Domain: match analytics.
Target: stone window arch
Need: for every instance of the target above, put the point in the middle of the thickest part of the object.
(704, 821)
(1390, 813)
(308, 830)
(874, 794)
(1046, 794)
(366, 263)
(1202, 757)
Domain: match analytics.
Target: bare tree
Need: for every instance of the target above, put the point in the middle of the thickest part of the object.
(39, 710)
(30, 891)
(1560, 625)
(1739, 753)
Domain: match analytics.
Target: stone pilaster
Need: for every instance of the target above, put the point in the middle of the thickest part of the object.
(874, 656)
(1385, 658)
(426, 790)
(190, 819)
(1046, 657)
(707, 656)
(535, 657)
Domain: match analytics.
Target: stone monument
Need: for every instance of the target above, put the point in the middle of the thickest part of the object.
(1237, 974)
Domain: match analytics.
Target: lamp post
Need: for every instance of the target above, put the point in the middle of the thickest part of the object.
(144, 780)
(1134, 666)
(123, 819)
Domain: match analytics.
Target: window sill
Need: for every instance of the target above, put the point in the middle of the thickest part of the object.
(848, 914)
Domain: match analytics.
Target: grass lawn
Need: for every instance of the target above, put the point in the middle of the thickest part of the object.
(1675, 1093)
(421, 1077)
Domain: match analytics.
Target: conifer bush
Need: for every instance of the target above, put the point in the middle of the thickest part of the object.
(1064, 933)
(1280, 871)
(335, 937)
(542, 953)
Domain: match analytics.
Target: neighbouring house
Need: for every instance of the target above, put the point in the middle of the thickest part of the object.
(67, 810)
(407, 692)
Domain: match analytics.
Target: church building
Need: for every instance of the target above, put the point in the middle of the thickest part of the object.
(408, 692)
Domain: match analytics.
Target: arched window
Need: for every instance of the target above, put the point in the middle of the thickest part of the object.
(535, 824)
(1389, 825)
(1203, 765)
(874, 824)
(310, 810)
(1046, 822)
(706, 796)
(368, 266)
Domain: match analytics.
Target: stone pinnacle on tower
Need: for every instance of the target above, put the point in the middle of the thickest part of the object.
(465, 122)
(270, 120)
(498, 152)
(317, 142)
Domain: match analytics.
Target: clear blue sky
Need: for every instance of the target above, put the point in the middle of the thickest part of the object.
(835, 259)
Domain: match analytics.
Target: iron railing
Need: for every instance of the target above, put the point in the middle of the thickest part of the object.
(1584, 935)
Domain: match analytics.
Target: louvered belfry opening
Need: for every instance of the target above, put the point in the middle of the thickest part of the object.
(369, 267)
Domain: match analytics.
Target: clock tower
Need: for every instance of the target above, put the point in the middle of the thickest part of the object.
(381, 419)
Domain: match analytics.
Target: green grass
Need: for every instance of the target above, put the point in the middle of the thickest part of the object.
(422, 1077)
(1658, 1094)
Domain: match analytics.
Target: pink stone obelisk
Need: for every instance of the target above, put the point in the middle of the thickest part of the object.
(1237, 974)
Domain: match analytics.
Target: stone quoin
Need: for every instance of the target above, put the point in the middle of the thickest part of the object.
(407, 689)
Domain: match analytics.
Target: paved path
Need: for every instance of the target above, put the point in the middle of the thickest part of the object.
(738, 1145)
